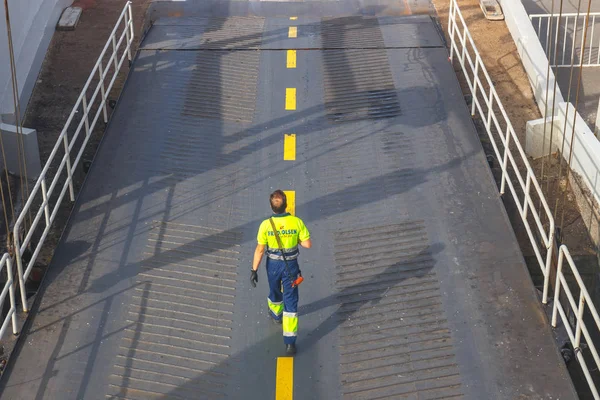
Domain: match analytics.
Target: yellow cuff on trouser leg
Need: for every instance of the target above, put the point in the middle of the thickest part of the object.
(276, 308)
(290, 327)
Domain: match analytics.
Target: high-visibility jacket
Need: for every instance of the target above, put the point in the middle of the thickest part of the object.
(291, 230)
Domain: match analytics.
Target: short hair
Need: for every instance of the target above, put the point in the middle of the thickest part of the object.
(278, 201)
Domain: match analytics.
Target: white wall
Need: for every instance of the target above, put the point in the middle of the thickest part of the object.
(33, 23)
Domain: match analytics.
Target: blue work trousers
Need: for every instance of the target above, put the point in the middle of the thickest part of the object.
(283, 306)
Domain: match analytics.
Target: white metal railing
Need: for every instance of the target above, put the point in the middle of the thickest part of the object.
(577, 308)
(8, 290)
(563, 39)
(504, 139)
(118, 46)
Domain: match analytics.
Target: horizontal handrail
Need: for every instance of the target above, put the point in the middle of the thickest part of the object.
(531, 16)
(48, 208)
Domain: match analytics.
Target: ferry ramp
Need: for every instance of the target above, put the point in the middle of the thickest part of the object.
(415, 287)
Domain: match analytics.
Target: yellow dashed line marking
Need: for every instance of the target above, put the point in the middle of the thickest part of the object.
(290, 98)
(289, 147)
(284, 388)
(291, 58)
(291, 201)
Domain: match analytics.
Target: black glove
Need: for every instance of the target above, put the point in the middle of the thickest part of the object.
(253, 277)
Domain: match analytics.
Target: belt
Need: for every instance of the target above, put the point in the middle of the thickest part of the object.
(290, 254)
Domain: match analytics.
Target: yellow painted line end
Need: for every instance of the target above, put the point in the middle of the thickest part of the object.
(291, 201)
(284, 382)
(289, 147)
(293, 32)
(290, 98)
(293, 18)
(291, 58)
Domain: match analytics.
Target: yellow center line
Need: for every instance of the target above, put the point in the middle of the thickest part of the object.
(293, 32)
(293, 18)
(291, 58)
(289, 147)
(290, 99)
(284, 382)
(291, 201)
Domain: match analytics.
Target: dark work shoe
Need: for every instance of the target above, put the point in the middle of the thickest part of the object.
(290, 349)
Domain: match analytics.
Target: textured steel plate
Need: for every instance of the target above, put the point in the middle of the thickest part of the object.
(206, 33)
(359, 85)
(351, 32)
(394, 337)
(222, 85)
(180, 320)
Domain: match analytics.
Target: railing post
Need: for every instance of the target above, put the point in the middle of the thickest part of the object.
(574, 35)
(549, 251)
(526, 195)
(69, 172)
(580, 309)
(85, 115)
(20, 271)
(598, 59)
(490, 109)
(505, 161)
(474, 94)
(464, 48)
(591, 40)
(128, 31)
(45, 200)
(101, 73)
(11, 295)
(115, 56)
(583, 34)
(565, 39)
(451, 27)
(548, 27)
(561, 258)
(132, 32)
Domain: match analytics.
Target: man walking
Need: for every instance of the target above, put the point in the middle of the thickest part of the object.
(281, 245)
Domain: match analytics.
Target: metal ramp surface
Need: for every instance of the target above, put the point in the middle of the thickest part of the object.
(415, 287)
